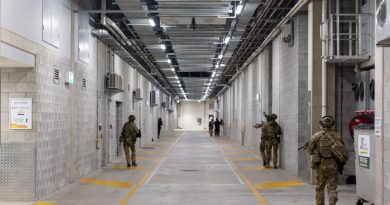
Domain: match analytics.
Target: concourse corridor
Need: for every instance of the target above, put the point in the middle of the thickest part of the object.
(195, 169)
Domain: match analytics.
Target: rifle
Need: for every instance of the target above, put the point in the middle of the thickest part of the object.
(266, 116)
(304, 146)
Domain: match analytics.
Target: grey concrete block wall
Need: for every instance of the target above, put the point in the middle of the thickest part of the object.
(66, 117)
(279, 76)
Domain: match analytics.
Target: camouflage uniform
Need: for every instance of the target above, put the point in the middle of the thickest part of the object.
(128, 137)
(323, 162)
(211, 127)
(262, 141)
(271, 131)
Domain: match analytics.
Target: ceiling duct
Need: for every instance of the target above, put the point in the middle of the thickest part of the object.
(112, 43)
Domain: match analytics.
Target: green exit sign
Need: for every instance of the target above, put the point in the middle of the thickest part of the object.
(70, 78)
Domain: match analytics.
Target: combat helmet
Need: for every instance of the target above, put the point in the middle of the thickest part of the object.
(131, 118)
(327, 121)
(273, 117)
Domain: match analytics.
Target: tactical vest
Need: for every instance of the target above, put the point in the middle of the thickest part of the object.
(272, 131)
(325, 146)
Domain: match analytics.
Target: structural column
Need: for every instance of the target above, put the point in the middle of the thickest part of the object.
(314, 65)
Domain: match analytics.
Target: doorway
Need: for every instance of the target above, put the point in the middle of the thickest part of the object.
(119, 124)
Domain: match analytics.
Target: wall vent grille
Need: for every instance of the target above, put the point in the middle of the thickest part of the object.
(56, 75)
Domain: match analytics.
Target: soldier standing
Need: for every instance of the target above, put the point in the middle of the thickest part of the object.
(129, 137)
(262, 139)
(272, 131)
(211, 127)
(328, 155)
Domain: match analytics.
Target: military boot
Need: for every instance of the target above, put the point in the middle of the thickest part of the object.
(128, 165)
(134, 164)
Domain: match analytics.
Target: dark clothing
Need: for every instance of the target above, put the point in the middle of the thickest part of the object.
(217, 126)
(160, 123)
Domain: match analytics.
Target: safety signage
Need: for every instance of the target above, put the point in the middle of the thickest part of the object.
(364, 151)
(20, 112)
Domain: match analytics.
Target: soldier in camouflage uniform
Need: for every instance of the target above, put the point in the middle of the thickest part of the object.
(262, 140)
(271, 131)
(323, 160)
(129, 137)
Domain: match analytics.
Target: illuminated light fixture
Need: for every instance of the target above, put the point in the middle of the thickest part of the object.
(199, 101)
(220, 56)
(227, 39)
(169, 61)
(163, 46)
(173, 69)
(176, 77)
(239, 9)
(217, 66)
(213, 74)
(151, 22)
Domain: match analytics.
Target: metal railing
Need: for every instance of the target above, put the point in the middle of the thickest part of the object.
(348, 37)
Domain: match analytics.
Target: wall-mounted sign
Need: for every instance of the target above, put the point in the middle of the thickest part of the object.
(364, 151)
(378, 126)
(20, 112)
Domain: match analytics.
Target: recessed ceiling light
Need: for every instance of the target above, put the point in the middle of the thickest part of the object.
(220, 56)
(151, 22)
(169, 61)
(239, 9)
(227, 39)
(163, 46)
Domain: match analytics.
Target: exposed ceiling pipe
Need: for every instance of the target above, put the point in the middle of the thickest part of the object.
(269, 38)
(123, 53)
(111, 25)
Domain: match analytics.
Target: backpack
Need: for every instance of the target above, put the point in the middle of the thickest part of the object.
(330, 148)
(339, 151)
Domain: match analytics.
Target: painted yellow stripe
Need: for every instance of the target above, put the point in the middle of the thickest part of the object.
(45, 203)
(148, 159)
(247, 182)
(238, 152)
(255, 168)
(143, 180)
(280, 184)
(246, 159)
(124, 166)
(106, 183)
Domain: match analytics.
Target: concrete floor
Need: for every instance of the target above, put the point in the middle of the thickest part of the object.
(192, 168)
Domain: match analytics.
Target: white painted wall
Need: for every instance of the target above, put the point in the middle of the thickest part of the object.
(28, 23)
(190, 111)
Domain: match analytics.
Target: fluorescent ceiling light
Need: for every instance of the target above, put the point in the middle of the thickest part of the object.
(217, 66)
(151, 22)
(220, 56)
(173, 69)
(163, 46)
(169, 61)
(227, 39)
(239, 9)
(176, 77)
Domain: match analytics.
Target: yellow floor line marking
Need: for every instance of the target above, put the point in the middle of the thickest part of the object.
(124, 166)
(103, 182)
(143, 180)
(45, 203)
(246, 159)
(246, 180)
(149, 159)
(255, 168)
(238, 153)
(280, 184)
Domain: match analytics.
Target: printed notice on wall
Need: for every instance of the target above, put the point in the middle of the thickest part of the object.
(364, 151)
(20, 111)
(378, 126)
